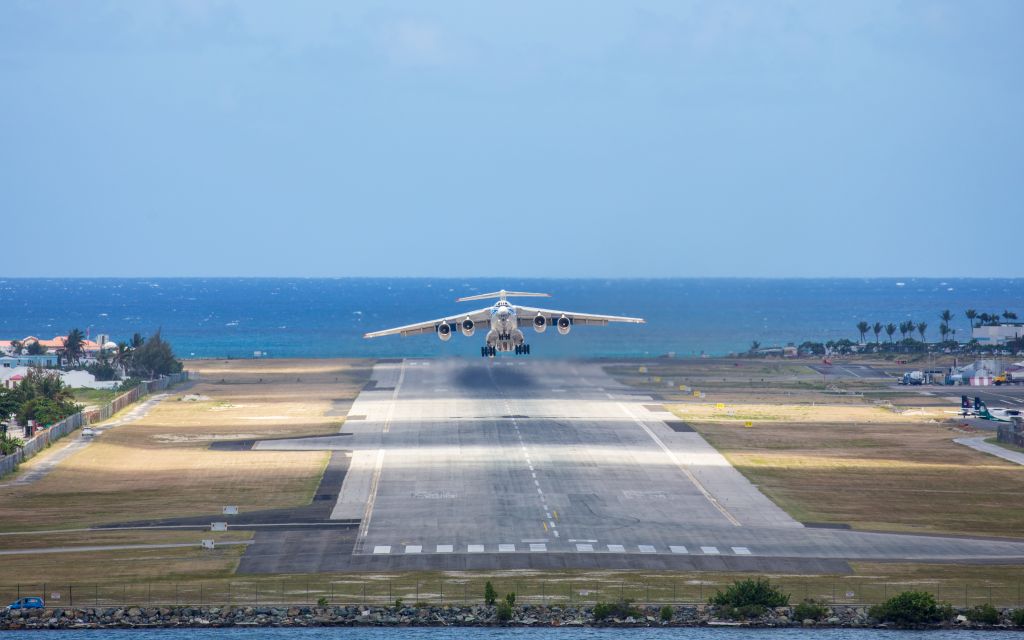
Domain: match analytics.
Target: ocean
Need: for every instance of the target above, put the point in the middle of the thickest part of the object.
(320, 317)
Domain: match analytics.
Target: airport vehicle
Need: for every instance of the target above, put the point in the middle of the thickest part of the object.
(913, 378)
(31, 602)
(503, 322)
(89, 432)
(1009, 377)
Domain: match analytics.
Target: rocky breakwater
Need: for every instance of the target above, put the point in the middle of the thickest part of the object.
(522, 616)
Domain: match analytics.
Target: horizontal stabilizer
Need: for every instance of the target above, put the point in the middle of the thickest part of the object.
(504, 294)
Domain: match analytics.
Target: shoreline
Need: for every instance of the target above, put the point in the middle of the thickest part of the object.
(682, 616)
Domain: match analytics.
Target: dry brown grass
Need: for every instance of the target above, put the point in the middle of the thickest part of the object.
(161, 466)
(888, 475)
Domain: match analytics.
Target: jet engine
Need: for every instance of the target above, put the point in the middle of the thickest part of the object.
(444, 331)
(564, 325)
(468, 326)
(540, 323)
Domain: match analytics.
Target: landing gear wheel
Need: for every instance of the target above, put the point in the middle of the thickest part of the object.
(483, 352)
(526, 349)
(494, 351)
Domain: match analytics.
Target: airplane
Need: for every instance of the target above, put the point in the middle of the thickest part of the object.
(980, 410)
(996, 414)
(503, 321)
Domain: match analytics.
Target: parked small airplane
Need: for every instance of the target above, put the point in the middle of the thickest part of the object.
(503, 321)
(996, 414)
(980, 410)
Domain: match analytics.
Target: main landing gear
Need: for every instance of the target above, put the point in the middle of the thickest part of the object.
(522, 349)
(488, 351)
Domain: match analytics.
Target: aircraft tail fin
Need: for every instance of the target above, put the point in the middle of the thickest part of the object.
(965, 404)
(503, 294)
(980, 407)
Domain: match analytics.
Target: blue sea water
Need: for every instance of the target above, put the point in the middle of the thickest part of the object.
(480, 633)
(222, 317)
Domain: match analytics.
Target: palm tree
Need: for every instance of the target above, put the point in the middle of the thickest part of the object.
(863, 327)
(122, 357)
(74, 346)
(944, 330)
(877, 329)
(993, 318)
(946, 316)
(1009, 315)
(971, 315)
(889, 330)
(953, 331)
(921, 328)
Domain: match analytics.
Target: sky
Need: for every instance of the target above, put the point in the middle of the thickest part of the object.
(565, 139)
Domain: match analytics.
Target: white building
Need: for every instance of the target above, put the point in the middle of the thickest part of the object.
(998, 334)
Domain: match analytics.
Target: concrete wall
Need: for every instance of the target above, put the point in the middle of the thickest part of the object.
(39, 442)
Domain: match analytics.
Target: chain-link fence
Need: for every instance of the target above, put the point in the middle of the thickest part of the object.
(383, 592)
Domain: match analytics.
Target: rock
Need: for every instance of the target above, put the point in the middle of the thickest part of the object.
(833, 620)
(807, 622)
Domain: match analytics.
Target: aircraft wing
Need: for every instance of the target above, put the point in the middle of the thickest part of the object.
(527, 314)
(430, 326)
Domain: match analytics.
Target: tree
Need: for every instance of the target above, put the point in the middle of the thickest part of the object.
(154, 358)
(490, 594)
(35, 349)
(889, 330)
(993, 318)
(921, 328)
(971, 315)
(74, 346)
(1009, 315)
(946, 316)
(9, 403)
(137, 340)
(122, 357)
(863, 327)
(878, 330)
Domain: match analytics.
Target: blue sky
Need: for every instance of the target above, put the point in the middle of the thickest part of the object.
(526, 139)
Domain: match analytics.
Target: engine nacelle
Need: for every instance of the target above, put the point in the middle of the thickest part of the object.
(564, 325)
(468, 327)
(444, 331)
(540, 323)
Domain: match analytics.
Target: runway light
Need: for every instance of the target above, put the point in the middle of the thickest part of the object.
(719, 405)
(748, 424)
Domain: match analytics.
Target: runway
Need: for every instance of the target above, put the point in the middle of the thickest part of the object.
(540, 464)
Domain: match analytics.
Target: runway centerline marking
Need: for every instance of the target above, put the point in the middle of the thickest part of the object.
(672, 456)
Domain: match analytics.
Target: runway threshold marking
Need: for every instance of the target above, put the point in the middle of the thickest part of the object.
(672, 456)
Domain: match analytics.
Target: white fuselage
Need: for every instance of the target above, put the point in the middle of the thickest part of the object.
(504, 334)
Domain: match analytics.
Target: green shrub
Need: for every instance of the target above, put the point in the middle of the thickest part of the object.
(666, 613)
(746, 612)
(983, 613)
(421, 604)
(744, 593)
(321, 602)
(490, 594)
(623, 609)
(510, 598)
(398, 603)
(1017, 618)
(504, 611)
(809, 610)
(909, 607)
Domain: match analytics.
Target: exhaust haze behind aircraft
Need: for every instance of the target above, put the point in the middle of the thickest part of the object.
(503, 322)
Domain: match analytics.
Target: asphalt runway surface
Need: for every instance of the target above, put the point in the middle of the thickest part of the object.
(514, 463)
(847, 370)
